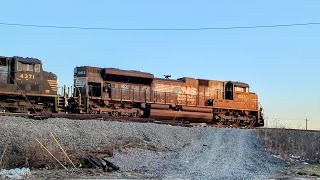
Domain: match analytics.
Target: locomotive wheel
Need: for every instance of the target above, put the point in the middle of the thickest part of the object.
(93, 112)
(135, 114)
(251, 124)
(228, 122)
(115, 114)
(2, 110)
(221, 122)
(224, 121)
(236, 123)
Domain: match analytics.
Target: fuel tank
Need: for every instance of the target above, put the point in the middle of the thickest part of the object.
(193, 117)
(197, 109)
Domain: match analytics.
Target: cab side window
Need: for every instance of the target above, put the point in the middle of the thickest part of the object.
(25, 67)
(28, 67)
(19, 66)
(37, 68)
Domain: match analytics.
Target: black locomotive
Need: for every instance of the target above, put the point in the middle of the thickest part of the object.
(26, 87)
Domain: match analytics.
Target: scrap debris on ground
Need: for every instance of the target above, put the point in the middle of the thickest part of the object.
(17, 173)
(140, 150)
(96, 162)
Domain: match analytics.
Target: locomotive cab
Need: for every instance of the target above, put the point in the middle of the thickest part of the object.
(233, 87)
(31, 78)
(28, 71)
(25, 87)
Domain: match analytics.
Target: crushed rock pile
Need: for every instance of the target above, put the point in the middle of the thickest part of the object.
(161, 150)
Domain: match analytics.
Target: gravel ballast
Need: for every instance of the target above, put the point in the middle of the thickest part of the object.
(163, 151)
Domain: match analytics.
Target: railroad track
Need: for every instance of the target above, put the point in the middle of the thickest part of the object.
(106, 117)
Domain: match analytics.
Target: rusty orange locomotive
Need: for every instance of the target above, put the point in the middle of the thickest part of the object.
(139, 94)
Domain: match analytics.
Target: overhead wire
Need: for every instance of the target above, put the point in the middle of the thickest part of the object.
(159, 29)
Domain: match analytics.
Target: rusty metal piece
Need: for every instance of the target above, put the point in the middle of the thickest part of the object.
(193, 117)
(197, 109)
(160, 106)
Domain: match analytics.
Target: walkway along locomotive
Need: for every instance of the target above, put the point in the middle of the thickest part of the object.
(140, 94)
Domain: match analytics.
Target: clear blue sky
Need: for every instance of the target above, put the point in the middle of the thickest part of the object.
(281, 64)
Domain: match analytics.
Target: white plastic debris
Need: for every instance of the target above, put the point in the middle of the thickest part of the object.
(295, 157)
(18, 173)
(276, 156)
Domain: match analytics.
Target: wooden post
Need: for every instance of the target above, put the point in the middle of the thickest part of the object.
(51, 154)
(65, 153)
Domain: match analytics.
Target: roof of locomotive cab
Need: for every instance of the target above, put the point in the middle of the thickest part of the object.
(27, 60)
(239, 84)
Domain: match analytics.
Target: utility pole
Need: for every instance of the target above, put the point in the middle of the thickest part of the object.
(306, 123)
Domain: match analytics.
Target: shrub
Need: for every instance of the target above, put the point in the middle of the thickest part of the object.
(289, 143)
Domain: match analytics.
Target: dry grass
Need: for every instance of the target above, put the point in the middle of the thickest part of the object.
(288, 142)
(126, 143)
(307, 171)
(32, 155)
